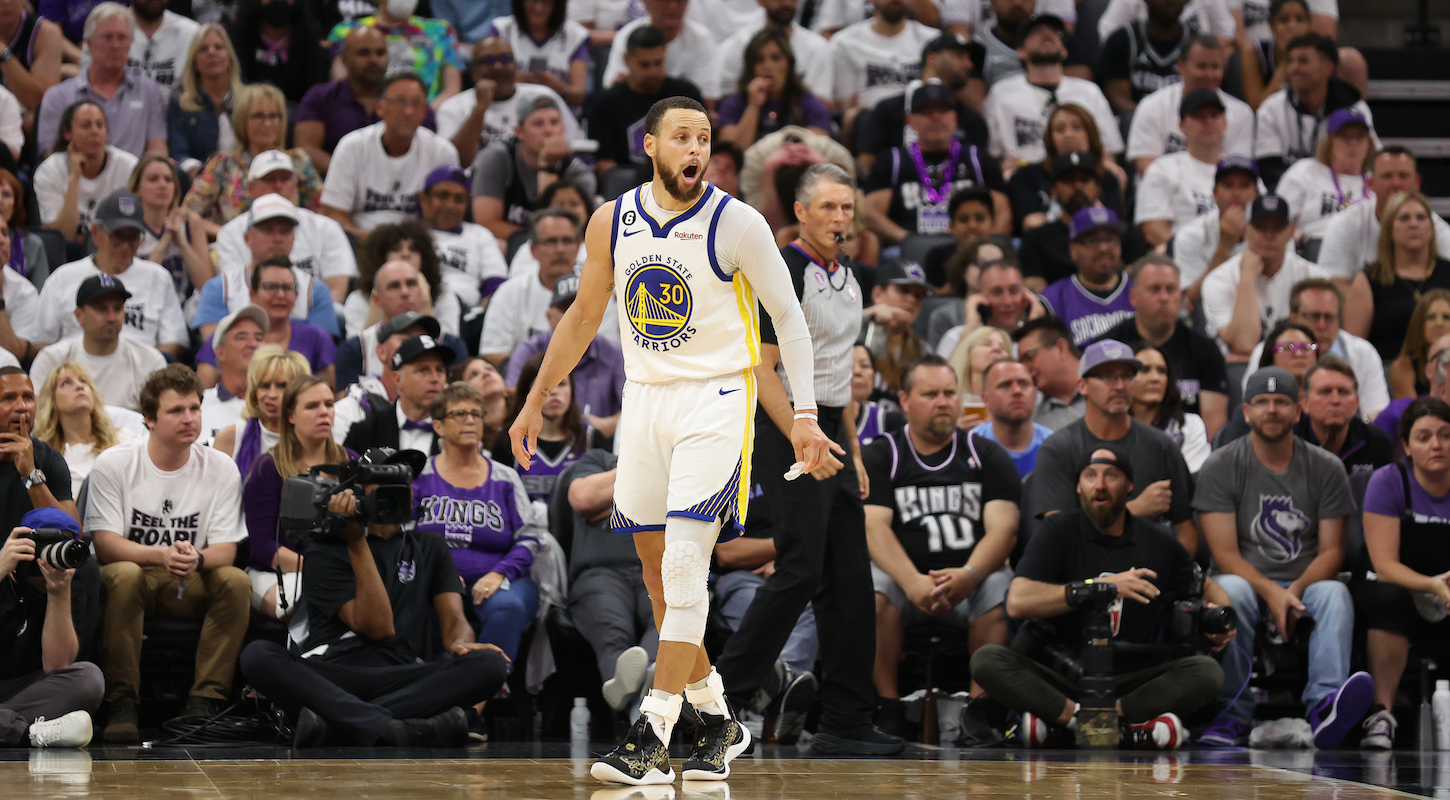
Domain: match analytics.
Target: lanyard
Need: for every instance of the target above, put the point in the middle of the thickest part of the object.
(1343, 203)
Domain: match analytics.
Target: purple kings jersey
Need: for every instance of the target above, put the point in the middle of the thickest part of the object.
(482, 525)
(1087, 315)
(870, 422)
(548, 464)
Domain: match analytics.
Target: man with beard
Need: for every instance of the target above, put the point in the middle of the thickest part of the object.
(812, 54)
(1100, 540)
(616, 115)
(941, 521)
(1018, 106)
(1095, 297)
(1139, 58)
(1007, 391)
(158, 49)
(1164, 490)
(1274, 508)
(474, 120)
(994, 50)
(689, 289)
(1045, 253)
(1213, 238)
(946, 60)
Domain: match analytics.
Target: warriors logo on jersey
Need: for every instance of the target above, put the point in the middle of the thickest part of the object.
(658, 303)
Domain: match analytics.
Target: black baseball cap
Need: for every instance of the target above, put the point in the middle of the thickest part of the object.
(418, 346)
(1199, 99)
(1119, 459)
(121, 209)
(1076, 161)
(907, 273)
(565, 290)
(929, 93)
(1236, 163)
(1268, 205)
(99, 286)
(947, 41)
(406, 320)
(1050, 20)
(1271, 380)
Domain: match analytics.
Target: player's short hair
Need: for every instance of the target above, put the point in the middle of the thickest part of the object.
(456, 392)
(100, 14)
(12, 370)
(1149, 260)
(178, 378)
(1325, 45)
(1202, 40)
(1397, 150)
(908, 375)
(816, 174)
(557, 212)
(647, 37)
(658, 111)
(973, 194)
(986, 373)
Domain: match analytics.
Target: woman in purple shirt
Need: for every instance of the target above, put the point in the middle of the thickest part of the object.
(1407, 534)
(481, 510)
(770, 95)
(305, 440)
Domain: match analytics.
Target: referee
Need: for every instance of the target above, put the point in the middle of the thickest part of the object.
(818, 522)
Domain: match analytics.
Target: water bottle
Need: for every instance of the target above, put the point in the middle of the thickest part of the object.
(579, 719)
(1441, 704)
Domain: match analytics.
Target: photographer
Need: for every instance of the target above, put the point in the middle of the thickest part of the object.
(45, 696)
(1102, 543)
(372, 591)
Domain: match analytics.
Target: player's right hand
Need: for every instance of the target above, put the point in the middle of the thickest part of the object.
(812, 446)
(524, 434)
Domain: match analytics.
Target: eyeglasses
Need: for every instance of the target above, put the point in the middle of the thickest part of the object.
(1322, 317)
(1116, 377)
(562, 241)
(1099, 241)
(1296, 348)
(464, 414)
(268, 287)
(264, 116)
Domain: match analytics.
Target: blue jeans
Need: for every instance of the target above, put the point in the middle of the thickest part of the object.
(1329, 603)
(505, 615)
(734, 591)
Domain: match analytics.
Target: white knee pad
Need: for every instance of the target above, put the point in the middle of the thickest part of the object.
(685, 574)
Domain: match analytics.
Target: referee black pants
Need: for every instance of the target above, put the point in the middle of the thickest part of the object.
(821, 558)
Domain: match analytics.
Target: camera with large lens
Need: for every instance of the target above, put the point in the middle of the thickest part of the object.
(57, 548)
(303, 512)
(1194, 621)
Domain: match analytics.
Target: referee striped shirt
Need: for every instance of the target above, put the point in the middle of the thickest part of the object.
(831, 300)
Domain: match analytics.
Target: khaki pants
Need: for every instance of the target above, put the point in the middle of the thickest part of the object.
(220, 597)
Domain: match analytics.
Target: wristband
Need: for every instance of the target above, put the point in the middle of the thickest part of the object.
(200, 561)
(805, 415)
(976, 579)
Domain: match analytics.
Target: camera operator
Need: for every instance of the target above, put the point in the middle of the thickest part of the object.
(372, 590)
(46, 696)
(1098, 543)
(166, 516)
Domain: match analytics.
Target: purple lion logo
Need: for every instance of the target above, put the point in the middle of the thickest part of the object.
(1278, 528)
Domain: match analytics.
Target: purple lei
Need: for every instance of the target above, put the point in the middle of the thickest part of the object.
(938, 195)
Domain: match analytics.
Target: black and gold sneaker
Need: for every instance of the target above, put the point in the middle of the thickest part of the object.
(718, 741)
(640, 760)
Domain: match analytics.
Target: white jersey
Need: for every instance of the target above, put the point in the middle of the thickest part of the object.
(554, 55)
(1315, 194)
(218, 412)
(118, 376)
(1017, 113)
(1352, 240)
(812, 59)
(53, 174)
(467, 258)
(162, 56)
(726, 18)
(1193, 246)
(1202, 17)
(153, 312)
(1176, 188)
(1155, 130)
(22, 305)
(871, 67)
(319, 247)
(376, 188)
(691, 56)
(501, 117)
(1256, 15)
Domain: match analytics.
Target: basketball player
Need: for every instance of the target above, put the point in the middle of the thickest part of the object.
(690, 263)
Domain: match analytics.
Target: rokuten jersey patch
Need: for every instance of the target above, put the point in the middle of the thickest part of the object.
(658, 302)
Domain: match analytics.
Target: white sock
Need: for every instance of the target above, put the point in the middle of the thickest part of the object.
(707, 695)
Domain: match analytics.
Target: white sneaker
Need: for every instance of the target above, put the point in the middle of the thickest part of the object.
(71, 730)
(629, 670)
(1379, 731)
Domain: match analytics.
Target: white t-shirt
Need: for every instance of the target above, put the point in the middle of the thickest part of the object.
(53, 174)
(217, 413)
(11, 114)
(445, 309)
(812, 58)
(118, 376)
(153, 314)
(1176, 187)
(515, 314)
(690, 56)
(979, 14)
(727, 18)
(871, 67)
(501, 118)
(200, 503)
(1017, 113)
(162, 57)
(1207, 17)
(554, 55)
(1256, 15)
(1193, 245)
(22, 305)
(466, 259)
(1315, 194)
(1221, 288)
(81, 458)
(1282, 131)
(377, 188)
(1155, 131)
(319, 247)
(606, 15)
(1352, 240)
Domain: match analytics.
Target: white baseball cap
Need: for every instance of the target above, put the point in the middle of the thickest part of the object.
(248, 311)
(265, 164)
(272, 206)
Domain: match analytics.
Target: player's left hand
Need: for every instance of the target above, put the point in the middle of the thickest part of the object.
(812, 446)
(524, 434)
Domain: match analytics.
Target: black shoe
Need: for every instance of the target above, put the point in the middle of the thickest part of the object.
(891, 718)
(477, 726)
(719, 741)
(775, 682)
(795, 704)
(201, 707)
(867, 740)
(121, 722)
(310, 730)
(640, 760)
(449, 729)
(982, 722)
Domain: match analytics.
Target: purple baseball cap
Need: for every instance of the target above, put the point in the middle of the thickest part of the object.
(1107, 351)
(1090, 219)
(443, 174)
(1345, 116)
(1235, 163)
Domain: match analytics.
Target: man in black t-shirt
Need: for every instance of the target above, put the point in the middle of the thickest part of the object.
(941, 521)
(909, 187)
(374, 595)
(616, 114)
(1141, 58)
(1099, 541)
(1197, 362)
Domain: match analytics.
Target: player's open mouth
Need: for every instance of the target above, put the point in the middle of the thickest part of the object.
(690, 173)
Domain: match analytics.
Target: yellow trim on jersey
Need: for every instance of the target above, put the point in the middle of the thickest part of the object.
(749, 314)
(742, 499)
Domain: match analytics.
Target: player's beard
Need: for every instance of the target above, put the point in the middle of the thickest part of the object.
(672, 183)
